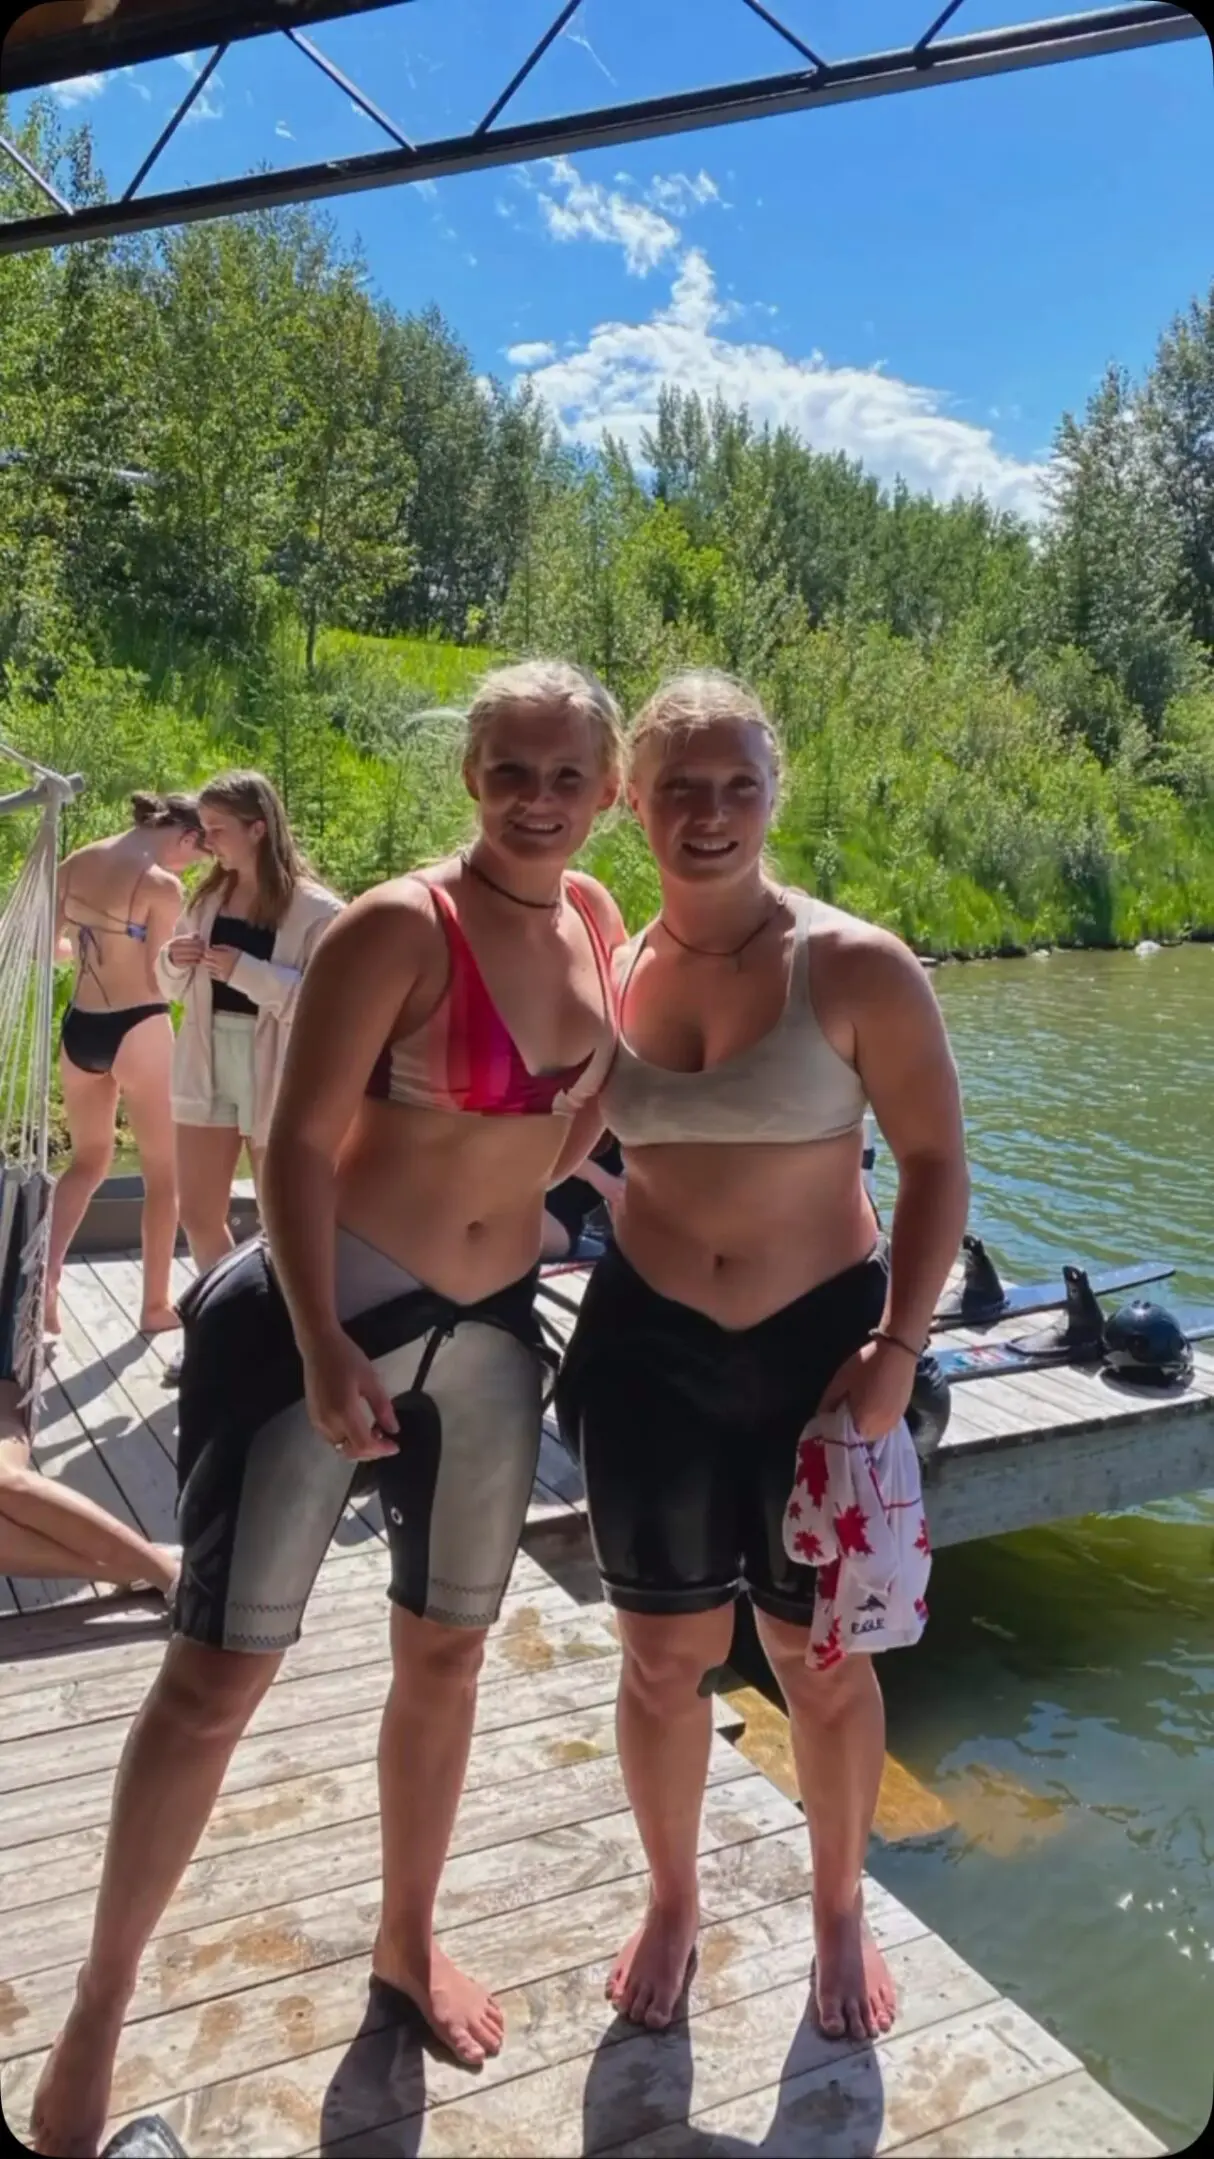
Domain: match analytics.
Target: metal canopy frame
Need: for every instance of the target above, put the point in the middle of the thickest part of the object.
(933, 60)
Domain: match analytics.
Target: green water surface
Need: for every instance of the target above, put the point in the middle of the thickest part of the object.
(1062, 1701)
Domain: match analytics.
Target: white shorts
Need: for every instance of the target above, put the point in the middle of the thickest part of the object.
(232, 1072)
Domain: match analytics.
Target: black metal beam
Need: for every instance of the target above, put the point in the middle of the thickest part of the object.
(128, 36)
(964, 59)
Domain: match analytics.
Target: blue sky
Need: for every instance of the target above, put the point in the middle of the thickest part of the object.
(923, 281)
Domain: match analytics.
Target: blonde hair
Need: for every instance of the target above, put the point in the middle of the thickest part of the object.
(251, 797)
(549, 682)
(699, 697)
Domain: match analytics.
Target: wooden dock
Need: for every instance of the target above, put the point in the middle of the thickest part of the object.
(251, 2030)
(1028, 1448)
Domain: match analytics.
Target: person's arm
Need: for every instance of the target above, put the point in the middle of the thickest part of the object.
(268, 983)
(903, 1057)
(904, 1060)
(178, 957)
(64, 948)
(164, 908)
(352, 993)
(586, 1128)
(603, 1181)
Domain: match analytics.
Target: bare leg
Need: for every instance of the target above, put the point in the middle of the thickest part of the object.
(665, 1735)
(423, 1758)
(838, 1733)
(41, 1518)
(142, 1071)
(91, 1101)
(206, 1164)
(171, 1769)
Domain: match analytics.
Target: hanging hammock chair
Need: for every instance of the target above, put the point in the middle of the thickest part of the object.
(27, 995)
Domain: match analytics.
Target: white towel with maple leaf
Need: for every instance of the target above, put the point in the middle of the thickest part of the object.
(856, 1514)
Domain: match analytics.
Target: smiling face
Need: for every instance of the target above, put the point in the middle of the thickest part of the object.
(538, 780)
(233, 841)
(705, 797)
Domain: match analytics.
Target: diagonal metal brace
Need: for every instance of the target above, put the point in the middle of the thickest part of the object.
(533, 58)
(933, 31)
(790, 36)
(329, 67)
(32, 173)
(201, 79)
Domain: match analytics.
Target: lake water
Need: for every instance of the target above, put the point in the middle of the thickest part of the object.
(1062, 1703)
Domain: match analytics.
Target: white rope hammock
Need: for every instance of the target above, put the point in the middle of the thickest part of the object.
(27, 994)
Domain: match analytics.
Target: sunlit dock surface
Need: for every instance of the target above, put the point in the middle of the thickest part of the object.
(251, 2030)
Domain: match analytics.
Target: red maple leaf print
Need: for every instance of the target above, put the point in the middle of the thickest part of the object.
(812, 1470)
(831, 1650)
(851, 1530)
(923, 1541)
(794, 1510)
(828, 1581)
(920, 1608)
(808, 1546)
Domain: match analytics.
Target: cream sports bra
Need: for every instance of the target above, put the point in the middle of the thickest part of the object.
(790, 1086)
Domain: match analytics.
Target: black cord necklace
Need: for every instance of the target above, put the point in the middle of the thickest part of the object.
(705, 952)
(543, 906)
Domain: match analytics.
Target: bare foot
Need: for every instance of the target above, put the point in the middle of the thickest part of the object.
(72, 2099)
(851, 1990)
(461, 2013)
(158, 1319)
(652, 1971)
(165, 1576)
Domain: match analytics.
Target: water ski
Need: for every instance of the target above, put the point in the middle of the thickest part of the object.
(1078, 1337)
(980, 1298)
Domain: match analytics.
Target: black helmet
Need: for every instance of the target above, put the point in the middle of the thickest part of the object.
(930, 1405)
(1145, 1343)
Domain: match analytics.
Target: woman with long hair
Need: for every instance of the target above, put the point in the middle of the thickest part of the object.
(117, 900)
(452, 1036)
(747, 1287)
(235, 963)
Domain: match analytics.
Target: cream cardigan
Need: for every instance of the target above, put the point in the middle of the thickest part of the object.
(272, 985)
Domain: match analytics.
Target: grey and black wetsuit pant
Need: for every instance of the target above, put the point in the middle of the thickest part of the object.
(261, 1493)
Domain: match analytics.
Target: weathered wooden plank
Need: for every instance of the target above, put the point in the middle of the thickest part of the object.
(541, 1641)
(8, 1601)
(646, 2084)
(911, 2085)
(549, 2021)
(1069, 2118)
(989, 1491)
(299, 1705)
(260, 1764)
(207, 1962)
(127, 1442)
(133, 1634)
(322, 1828)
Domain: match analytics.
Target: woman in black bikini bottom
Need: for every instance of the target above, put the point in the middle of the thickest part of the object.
(117, 902)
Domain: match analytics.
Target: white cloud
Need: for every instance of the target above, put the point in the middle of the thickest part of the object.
(281, 128)
(679, 193)
(78, 89)
(189, 61)
(140, 88)
(202, 108)
(536, 355)
(428, 188)
(612, 380)
(588, 211)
